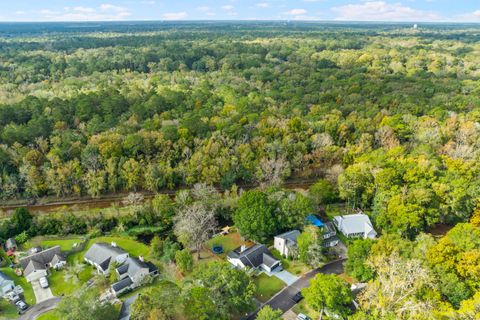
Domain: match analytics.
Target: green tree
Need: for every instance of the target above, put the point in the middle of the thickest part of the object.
(84, 304)
(255, 216)
(329, 292)
(267, 313)
(294, 209)
(184, 260)
(198, 304)
(230, 288)
(322, 192)
(310, 248)
(159, 302)
(358, 253)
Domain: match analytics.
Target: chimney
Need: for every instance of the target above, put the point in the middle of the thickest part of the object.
(243, 248)
(114, 244)
(141, 259)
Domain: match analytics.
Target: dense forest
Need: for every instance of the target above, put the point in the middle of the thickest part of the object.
(386, 117)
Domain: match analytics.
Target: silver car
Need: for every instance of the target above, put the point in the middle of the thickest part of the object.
(43, 282)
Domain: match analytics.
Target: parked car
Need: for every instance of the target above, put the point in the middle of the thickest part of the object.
(302, 316)
(21, 306)
(297, 297)
(43, 282)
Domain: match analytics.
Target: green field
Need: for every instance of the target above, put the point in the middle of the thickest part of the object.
(267, 287)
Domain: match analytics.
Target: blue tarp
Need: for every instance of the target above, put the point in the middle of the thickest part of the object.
(313, 219)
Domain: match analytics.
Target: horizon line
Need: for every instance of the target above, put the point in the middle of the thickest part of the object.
(242, 20)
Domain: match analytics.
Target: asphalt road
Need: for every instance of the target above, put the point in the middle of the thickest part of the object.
(283, 299)
(40, 308)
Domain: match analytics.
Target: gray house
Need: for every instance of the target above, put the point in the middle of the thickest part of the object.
(101, 255)
(286, 243)
(6, 284)
(330, 238)
(355, 226)
(255, 257)
(132, 273)
(36, 265)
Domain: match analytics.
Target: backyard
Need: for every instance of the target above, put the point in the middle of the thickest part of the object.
(267, 287)
(66, 244)
(134, 248)
(61, 286)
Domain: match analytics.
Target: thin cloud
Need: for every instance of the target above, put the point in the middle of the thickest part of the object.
(103, 12)
(175, 15)
(296, 12)
(263, 5)
(382, 11)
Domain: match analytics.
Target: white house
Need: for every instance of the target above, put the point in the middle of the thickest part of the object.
(101, 255)
(36, 265)
(255, 257)
(286, 243)
(6, 284)
(355, 226)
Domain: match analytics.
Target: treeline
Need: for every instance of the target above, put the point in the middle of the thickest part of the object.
(390, 119)
(441, 275)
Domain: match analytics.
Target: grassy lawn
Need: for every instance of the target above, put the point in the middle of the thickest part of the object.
(50, 315)
(303, 307)
(295, 267)
(267, 287)
(7, 310)
(27, 287)
(229, 242)
(60, 286)
(65, 244)
(133, 247)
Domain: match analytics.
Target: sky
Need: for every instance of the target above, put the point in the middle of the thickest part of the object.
(337, 10)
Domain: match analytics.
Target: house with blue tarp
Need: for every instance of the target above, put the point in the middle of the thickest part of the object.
(314, 220)
(329, 233)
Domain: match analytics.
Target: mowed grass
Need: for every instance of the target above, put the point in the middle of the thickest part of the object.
(134, 248)
(229, 242)
(50, 315)
(66, 244)
(7, 310)
(295, 267)
(267, 287)
(60, 286)
(27, 287)
(303, 307)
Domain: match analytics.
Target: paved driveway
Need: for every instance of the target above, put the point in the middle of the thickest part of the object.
(40, 308)
(289, 315)
(286, 277)
(41, 294)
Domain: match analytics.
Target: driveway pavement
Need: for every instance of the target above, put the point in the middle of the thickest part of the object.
(286, 277)
(41, 294)
(289, 315)
(35, 311)
(283, 301)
